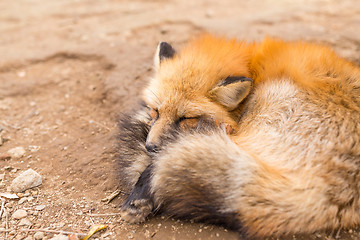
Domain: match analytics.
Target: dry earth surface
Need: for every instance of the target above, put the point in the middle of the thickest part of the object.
(67, 68)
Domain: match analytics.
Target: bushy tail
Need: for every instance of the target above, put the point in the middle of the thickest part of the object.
(204, 176)
(208, 178)
(193, 179)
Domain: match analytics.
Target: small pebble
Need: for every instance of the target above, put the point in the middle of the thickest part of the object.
(22, 200)
(40, 207)
(26, 180)
(25, 222)
(17, 152)
(106, 234)
(20, 213)
(34, 148)
(60, 237)
(21, 74)
(39, 235)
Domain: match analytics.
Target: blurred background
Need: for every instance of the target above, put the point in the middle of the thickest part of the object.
(69, 67)
(126, 32)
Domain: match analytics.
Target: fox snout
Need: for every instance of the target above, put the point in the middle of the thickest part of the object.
(150, 147)
(158, 129)
(152, 143)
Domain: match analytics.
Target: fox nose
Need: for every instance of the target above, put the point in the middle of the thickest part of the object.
(151, 147)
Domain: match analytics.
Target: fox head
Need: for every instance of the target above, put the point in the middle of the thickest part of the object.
(207, 80)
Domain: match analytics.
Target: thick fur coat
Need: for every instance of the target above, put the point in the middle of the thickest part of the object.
(263, 138)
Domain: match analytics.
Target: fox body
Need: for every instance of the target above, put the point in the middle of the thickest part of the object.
(263, 138)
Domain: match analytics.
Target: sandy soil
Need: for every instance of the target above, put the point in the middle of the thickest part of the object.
(67, 68)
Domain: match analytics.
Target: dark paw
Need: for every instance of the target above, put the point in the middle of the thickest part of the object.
(136, 211)
(139, 204)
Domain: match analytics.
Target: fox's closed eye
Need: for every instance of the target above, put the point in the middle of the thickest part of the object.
(186, 118)
(188, 123)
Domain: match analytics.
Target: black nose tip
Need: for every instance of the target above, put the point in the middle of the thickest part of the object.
(151, 147)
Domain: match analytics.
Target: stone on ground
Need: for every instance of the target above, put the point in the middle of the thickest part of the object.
(60, 237)
(26, 180)
(39, 235)
(20, 213)
(17, 152)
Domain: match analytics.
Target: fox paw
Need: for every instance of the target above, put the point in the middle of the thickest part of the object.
(136, 211)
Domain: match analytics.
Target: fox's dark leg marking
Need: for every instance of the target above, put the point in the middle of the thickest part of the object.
(140, 203)
(132, 157)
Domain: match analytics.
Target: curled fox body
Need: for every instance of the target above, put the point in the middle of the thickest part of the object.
(263, 138)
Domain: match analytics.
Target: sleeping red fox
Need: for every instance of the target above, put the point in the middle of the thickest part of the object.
(263, 138)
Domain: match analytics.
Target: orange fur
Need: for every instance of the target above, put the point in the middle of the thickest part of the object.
(291, 163)
(309, 64)
(186, 79)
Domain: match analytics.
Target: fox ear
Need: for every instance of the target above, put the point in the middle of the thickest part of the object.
(231, 91)
(163, 51)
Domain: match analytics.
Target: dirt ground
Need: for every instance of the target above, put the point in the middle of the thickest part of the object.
(68, 68)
